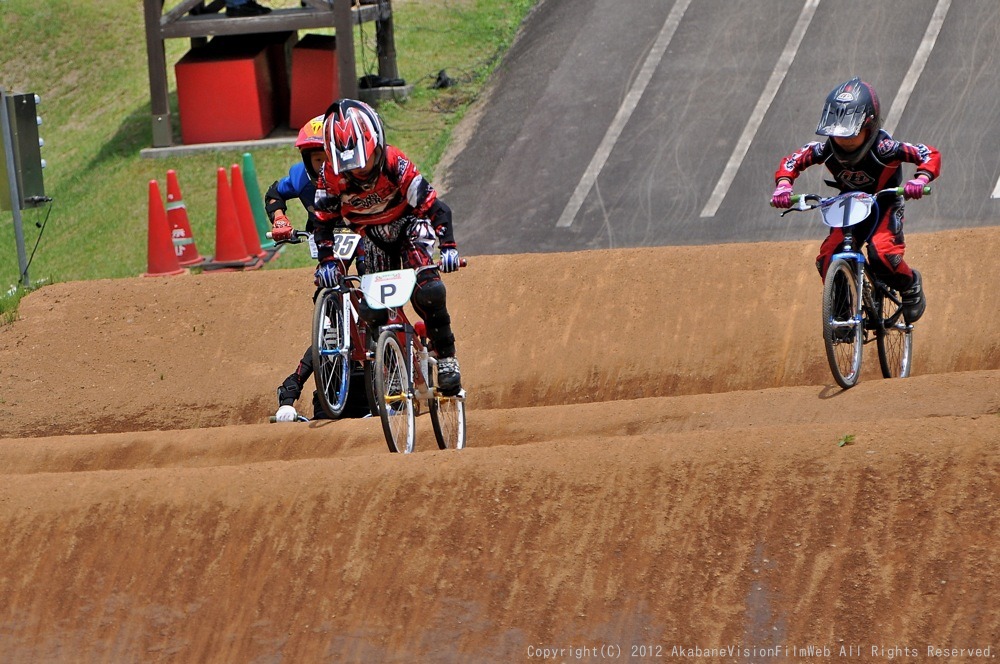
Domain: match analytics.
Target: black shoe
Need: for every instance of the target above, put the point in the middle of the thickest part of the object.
(449, 376)
(914, 301)
(319, 413)
(211, 8)
(250, 8)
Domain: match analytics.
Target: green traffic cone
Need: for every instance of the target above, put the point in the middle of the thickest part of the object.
(256, 201)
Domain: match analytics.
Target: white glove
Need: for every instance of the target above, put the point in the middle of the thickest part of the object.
(286, 414)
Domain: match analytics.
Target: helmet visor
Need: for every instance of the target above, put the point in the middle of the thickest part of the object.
(841, 121)
(347, 143)
(348, 159)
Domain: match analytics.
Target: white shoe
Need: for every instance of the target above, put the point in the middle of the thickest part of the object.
(286, 414)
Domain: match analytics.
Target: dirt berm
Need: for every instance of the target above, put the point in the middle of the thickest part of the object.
(658, 464)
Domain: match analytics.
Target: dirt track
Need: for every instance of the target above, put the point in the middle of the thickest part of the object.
(653, 460)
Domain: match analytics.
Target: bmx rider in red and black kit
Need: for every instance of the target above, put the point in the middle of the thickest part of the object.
(861, 156)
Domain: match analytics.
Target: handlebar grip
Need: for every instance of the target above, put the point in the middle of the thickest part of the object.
(901, 189)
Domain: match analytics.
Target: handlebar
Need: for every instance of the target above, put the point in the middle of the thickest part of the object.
(437, 266)
(297, 237)
(795, 198)
(811, 201)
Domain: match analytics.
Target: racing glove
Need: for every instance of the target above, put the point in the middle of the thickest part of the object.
(282, 229)
(914, 188)
(449, 259)
(286, 414)
(782, 196)
(327, 275)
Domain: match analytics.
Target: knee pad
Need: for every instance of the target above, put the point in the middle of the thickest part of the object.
(430, 294)
(430, 302)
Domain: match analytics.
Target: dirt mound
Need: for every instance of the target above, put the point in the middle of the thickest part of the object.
(657, 459)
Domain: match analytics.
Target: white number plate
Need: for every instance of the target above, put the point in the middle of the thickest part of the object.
(847, 210)
(344, 245)
(384, 290)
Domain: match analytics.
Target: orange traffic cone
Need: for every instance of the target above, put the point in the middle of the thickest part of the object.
(180, 227)
(162, 260)
(230, 250)
(245, 213)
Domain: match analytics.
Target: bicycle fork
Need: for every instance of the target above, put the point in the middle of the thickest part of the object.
(862, 292)
(338, 339)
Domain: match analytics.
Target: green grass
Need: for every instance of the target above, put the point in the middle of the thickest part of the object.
(8, 306)
(87, 61)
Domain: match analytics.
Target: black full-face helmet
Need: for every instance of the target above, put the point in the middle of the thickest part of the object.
(851, 109)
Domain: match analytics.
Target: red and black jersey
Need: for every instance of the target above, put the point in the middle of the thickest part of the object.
(400, 189)
(878, 169)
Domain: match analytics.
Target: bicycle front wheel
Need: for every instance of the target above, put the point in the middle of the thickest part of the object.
(331, 353)
(392, 393)
(448, 419)
(843, 333)
(894, 339)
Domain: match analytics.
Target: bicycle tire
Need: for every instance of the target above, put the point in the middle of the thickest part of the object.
(393, 394)
(331, 361)
(448, 420)
(894, 337)
(843, 337)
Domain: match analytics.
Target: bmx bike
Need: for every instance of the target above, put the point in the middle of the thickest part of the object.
(405, 368)
(339, 343)
(858, 307)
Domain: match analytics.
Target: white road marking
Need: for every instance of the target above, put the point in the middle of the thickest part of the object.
(766, 97)
(622, 116)
(917, 66)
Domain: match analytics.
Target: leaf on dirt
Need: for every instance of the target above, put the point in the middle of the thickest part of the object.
(845, 440)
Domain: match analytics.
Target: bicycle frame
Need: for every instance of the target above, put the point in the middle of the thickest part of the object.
(336, 307)
(844, 337)
(404, 374)
(393, 296)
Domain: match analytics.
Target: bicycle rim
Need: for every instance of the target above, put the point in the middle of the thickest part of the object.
(448, 419)
(894, 340)
(843, 332)
(392, 390)
(330, 350)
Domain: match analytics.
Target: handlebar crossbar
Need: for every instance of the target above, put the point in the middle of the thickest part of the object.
(803, 202)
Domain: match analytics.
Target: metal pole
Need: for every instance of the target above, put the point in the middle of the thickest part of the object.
(343, 22)
(15, 194)
(157, 62)
(385, 41)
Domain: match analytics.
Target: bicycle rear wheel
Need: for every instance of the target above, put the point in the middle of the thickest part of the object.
(331, 352)
(392, 392)
(843, 333)
(448, 418)
(894, 338)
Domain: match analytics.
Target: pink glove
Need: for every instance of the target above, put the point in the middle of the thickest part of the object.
(914, 188)
(782, 196)
(282, 229)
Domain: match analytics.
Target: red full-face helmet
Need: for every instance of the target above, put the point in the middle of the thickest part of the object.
(309, 141)
(354, 139)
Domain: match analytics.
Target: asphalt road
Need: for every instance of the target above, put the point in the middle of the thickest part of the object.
(651, 123)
